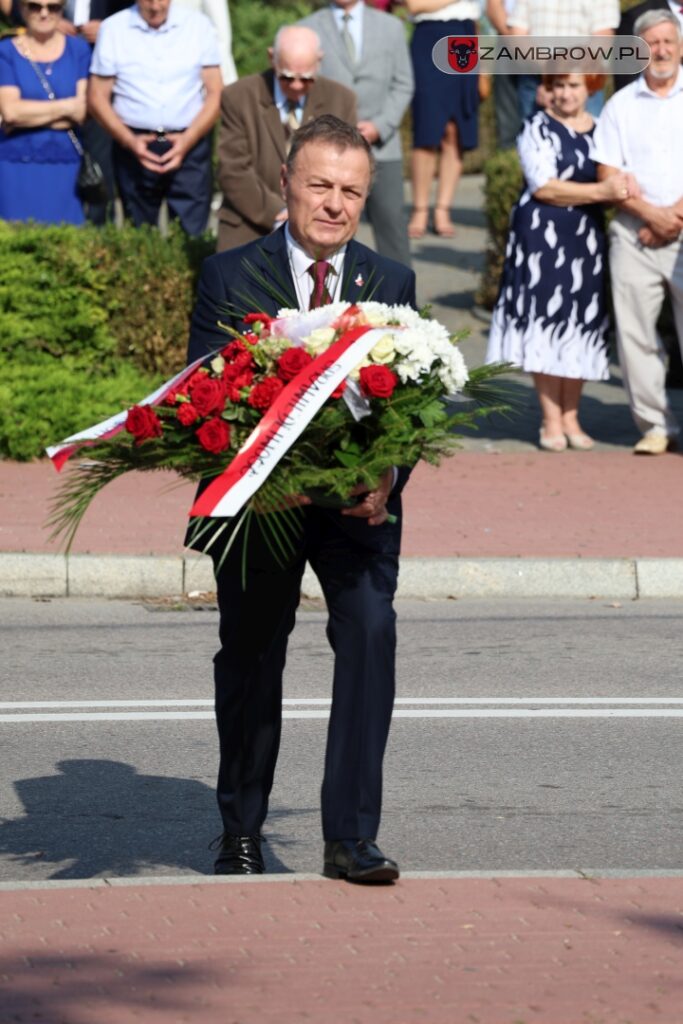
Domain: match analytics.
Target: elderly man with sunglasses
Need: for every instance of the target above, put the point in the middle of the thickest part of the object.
(259, 114)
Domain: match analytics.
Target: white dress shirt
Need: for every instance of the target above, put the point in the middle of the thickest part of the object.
(354, 24)
(157, 70)
(639, 131)
(461, 10)
(300, 263)
(218, 13)
(282, 104)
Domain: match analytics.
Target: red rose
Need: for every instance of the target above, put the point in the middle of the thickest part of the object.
(207, 394)
(187, 414)
(214, 435)
(261, 321)
(242, 380)
(291, 362)
(143, 423)
(264, 394)
(377, 381)
(339, 390)
(234, 349)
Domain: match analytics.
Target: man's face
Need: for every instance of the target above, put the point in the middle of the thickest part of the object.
(325, 195)
(665, 47)
(154, 12)
(296, 70)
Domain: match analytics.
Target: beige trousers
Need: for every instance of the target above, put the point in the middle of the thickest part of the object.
(640, 276)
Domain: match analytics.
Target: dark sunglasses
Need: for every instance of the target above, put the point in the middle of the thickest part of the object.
(286, 76)
(35, 8)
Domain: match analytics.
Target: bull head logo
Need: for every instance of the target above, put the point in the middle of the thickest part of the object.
(463, 53)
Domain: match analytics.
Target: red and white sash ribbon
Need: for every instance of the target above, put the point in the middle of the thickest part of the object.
(60, 453)
(284, 422)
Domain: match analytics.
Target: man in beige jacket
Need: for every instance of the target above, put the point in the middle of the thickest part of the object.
(258, 116)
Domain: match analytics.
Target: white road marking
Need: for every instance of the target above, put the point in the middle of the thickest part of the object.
(318, 708)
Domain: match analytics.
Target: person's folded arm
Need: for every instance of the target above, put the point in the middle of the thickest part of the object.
(19, 113)
(666, 222)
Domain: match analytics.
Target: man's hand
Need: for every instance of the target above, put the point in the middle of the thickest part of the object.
(648, 238)
(665, 221)
(173, 157)
(373, 507)
(90, 29)
(149, 160)
(369, 131)
(66, 27)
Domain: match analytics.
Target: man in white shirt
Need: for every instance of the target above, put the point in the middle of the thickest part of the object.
(155, 86)
(639, 131)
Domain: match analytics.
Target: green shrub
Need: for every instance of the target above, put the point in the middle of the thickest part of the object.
(43, 399)
(254, 25)
(502, 187)
(67, 290)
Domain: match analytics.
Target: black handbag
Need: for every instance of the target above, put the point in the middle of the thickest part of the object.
(91, 185)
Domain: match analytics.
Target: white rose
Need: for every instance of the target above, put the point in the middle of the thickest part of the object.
(217, 365)
(383, 351)
(355, 372)
(319, 340)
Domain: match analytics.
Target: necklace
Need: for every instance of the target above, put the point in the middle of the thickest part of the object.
(26, 52)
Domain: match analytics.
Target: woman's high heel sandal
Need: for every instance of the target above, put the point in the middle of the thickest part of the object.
(558, 443)
(417, 225)
(445, 229)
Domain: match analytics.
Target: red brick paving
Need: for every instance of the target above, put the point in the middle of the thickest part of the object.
(597, 504)
(441, 951)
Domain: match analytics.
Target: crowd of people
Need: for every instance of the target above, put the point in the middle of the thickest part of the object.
(141, 87)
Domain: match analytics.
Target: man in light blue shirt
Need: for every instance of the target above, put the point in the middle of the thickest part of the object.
(155, 86)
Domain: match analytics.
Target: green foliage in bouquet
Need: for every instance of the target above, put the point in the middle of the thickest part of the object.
(205, 418)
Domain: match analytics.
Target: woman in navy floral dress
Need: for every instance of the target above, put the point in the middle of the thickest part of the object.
(550, 317)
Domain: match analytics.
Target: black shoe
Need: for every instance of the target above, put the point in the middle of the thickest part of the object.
(238, 855)
(358, 860)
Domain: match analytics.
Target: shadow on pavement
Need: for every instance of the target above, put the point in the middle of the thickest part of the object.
(103, 818)
(78, 988)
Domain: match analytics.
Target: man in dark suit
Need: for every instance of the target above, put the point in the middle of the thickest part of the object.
(258, 116)
(354, 552)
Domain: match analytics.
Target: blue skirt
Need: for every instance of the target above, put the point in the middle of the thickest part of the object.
(440, 98)
(42, 192)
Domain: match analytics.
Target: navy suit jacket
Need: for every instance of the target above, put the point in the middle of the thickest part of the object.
(231, 285)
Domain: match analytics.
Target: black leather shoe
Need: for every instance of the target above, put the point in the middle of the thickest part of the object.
(238, 855)
(358, 860)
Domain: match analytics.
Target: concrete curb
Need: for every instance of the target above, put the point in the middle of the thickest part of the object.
(136, 576)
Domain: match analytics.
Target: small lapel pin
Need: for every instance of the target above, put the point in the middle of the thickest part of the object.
(359, 282)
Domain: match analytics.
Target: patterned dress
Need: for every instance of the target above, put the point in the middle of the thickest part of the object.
(550, 315)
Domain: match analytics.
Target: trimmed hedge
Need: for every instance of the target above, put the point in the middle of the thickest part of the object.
(90, 321)
(502, 187)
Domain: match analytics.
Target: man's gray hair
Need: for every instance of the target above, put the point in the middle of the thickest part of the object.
(332, 131)
(651, 18)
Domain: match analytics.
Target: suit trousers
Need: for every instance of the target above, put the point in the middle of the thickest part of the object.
(256, 618)
(187, 190)
(386, 213)
(640, 276)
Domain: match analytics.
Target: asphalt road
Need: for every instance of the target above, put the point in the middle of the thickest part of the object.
(527, 736)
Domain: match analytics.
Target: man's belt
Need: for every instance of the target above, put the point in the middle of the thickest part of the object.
(160, 133)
